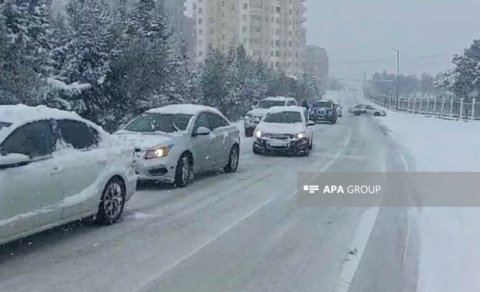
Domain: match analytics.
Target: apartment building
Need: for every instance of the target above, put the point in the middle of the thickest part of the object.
(317, 62)
(271, 30)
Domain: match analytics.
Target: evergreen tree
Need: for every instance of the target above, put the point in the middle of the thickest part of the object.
(467, 73)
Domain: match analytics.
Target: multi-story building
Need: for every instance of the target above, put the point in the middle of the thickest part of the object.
(271, 30)
(317, 63)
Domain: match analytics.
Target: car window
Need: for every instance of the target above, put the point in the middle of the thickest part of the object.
(286, 117)
(216, 121)
(34, 140)
(202, 121)
(270, 103)
(291, 103)
(77, 134)
(369, 107)
(159, 122)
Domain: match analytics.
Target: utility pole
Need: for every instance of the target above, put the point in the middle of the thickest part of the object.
(398, 77)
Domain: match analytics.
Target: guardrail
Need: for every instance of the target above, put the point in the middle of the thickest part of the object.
(450, 108)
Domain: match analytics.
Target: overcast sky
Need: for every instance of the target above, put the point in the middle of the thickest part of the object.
(365, 30)
(357, 30)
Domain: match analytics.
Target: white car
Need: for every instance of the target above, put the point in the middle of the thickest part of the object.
(284, 130)
(175, 142)
(253, 117)
(363, 109)
(55, 168)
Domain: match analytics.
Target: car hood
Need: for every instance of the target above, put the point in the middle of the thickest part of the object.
(144, 141)
(258, 112)
(273, 128)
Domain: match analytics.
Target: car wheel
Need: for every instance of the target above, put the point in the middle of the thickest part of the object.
(233, 160)
(255, 151)
(311, 144)
(377, 114)
(356, 113)
(333, 121)
(183, 172)
(113, 200)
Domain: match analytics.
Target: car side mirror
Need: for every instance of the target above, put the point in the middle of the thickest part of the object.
(310, 123)
(14, 160)
(202, 131)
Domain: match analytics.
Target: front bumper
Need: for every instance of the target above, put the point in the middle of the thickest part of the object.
(291, 147)
(161, 169)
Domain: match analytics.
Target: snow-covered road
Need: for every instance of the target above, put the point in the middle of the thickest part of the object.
(238, 232)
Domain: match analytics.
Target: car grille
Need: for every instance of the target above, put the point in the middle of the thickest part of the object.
(279, 136)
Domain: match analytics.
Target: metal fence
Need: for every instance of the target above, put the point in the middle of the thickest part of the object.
(452, 108)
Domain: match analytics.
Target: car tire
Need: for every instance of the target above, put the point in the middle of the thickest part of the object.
(356, 113)
(183, 171)
(233, 159)
(377, 114)
(311, 145)
(255, 151)
(333, 122)
(112, 202)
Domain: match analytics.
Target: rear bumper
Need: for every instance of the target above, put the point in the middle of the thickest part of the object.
(322, 117)
(293, 147)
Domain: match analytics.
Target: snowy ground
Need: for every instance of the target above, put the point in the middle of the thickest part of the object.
(450, 237)
(235, 232)
(245, 231)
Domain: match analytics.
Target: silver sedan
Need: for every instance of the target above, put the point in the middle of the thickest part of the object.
(173, 143)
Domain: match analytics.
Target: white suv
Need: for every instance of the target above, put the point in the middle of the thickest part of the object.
(253, 117)
(56, 167)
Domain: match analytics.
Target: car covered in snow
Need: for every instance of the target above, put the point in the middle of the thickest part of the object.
(55, 168)
(284, 130)
(174, 142)
(324, 111)
(253, 117)
(365, 109)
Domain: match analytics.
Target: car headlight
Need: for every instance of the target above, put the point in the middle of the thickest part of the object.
(248, 117)
(157, 152)
(301, 135)
(258, 134)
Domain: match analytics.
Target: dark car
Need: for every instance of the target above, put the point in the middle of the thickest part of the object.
(324, 111)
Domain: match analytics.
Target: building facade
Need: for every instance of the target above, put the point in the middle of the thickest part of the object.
(317, 63)
(271, 30)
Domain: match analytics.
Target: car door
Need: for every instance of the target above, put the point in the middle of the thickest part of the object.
(369, 109)
(82, 168)
(202, 145)
(31, 194)
(222, 139)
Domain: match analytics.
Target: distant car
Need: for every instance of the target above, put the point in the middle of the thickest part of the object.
(253, 117)
(363, 109)
(175, 142)
(284, 130)
(55, 168)
(324, 111)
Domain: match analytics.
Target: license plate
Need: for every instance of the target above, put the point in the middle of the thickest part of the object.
(278, 144)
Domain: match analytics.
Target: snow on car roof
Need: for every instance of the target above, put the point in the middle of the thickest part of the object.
(191, 109)
(279, 109)
(279, 98)
(20, 114)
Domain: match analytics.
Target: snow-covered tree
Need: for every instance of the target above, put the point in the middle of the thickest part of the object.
(467, 72)
(87, 57)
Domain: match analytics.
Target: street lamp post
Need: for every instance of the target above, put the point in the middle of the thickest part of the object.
(398, 77)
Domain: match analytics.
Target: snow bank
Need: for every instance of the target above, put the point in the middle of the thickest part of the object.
(450, 237)
(190, 109)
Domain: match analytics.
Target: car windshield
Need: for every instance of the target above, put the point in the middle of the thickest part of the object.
(283, 118)
(322, 104)
(270, 103)
(156, 122)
